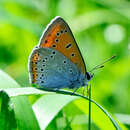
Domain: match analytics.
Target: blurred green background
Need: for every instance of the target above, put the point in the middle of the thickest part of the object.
(101, 29)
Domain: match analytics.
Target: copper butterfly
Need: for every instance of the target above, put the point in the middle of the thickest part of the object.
(56, 62)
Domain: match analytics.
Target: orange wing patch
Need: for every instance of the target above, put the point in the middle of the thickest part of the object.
(35, 59)
(58, 36)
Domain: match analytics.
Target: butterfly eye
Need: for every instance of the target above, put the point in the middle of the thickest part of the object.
(88, 76)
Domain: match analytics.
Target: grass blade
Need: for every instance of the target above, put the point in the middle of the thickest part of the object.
(30, 91)
(24, 115)
(6, 111)
(49, 106)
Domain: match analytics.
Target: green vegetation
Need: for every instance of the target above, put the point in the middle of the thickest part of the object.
(101, 29)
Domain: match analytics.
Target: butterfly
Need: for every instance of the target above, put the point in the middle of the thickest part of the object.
(56, 62)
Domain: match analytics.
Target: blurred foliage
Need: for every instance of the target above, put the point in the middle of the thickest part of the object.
(101, 29)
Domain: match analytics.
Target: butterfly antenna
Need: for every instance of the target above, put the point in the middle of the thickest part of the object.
(102, 64)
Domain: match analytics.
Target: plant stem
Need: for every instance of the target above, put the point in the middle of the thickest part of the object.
(89, 115)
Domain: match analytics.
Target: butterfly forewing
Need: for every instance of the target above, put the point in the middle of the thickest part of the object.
(58, 36)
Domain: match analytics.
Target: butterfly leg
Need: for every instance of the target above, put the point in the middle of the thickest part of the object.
(87, 90)
(75, 90)
(83, 90)
(56, 89)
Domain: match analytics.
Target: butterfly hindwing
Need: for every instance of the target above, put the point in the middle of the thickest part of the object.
(58, 36)
(49, 68)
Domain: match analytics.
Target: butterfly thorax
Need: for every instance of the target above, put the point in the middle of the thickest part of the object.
(82, 80)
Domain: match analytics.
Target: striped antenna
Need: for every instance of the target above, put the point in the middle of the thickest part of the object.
(102, 64)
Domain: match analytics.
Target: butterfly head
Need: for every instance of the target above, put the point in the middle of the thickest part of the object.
(89, 76)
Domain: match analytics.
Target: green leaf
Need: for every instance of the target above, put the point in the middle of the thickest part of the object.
(7, 117)
(59, 102)
(24, 114)
(123, 118)
(48, 106)
(99, 116)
